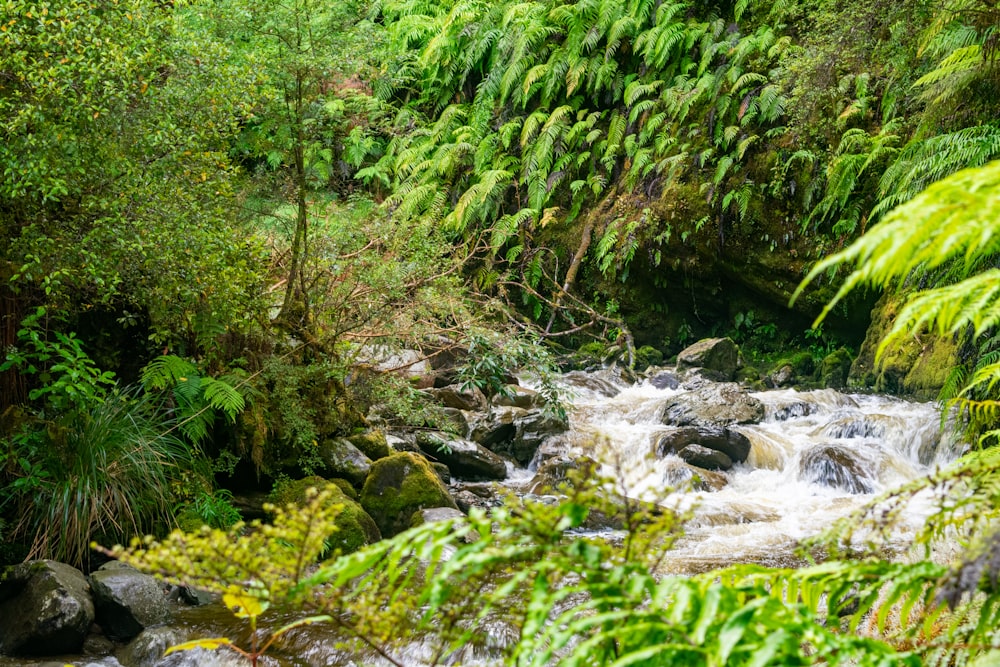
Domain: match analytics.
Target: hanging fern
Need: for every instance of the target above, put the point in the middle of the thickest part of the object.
(923, 162)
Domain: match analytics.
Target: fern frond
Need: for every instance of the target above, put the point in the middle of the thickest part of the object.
(952, 221)
(166, 371)
(223, 396)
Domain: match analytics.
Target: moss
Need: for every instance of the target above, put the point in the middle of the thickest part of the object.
(593, 352)
(355, 527)
(749, 375)
(647, 356)
(398, 486)
(915, 365)
(835, 368)
(188, 520)
(372, 444)
(802, 363)
(346, 487)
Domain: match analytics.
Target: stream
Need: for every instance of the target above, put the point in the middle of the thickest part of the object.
(814, 458)
(787, 489)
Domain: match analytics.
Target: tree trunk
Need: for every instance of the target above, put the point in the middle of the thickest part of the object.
(295, 309)
(574, 268)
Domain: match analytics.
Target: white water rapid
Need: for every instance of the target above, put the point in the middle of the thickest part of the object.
(814, 458)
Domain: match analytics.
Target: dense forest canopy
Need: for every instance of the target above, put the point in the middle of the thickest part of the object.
(217, 218)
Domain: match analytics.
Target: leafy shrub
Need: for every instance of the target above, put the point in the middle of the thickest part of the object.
(571, 599)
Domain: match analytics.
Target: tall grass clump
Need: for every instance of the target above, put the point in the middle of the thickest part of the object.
(107, 473)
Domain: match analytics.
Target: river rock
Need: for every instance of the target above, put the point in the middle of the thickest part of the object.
(490, 430)
(103, 662)
(454, 396)
(432, 514)
(733, 444)
(551, 448)
(355, 527)
(398, 486)
(703, 457)
(517, 432)
(464, 458)
(719, 355)
(555, 471)
(835, 368)
(45, 609)
(371, 443)
(837, 467)
(715, 404)
(606, 382)
(663, 379)
(782, 376)
(148, 648)
(127, 601)
(520, 397)
(342, 459)
(683, 474)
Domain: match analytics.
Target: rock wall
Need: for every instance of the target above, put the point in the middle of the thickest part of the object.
(916, 365)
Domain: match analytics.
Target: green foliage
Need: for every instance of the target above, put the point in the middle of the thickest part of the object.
(196, 399)
(107, 472)
(117, 188)
(214, 509)
(69, 381)
(943, 239)
(491, 360)
(570, 599)
(539, 108)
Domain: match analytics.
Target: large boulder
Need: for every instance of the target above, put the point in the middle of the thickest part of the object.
(718, 355)
(517, 432)
(464, 458)
(837, 467)
(714, 404)
(127, 601)
(355, 527)
(453, 396)
(342, 459)
(398, 486)
(371, 443)
(917, 365)
(733, 444)
(45, 609)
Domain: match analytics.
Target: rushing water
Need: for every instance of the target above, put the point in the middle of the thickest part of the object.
(786, 490)
(783, 492)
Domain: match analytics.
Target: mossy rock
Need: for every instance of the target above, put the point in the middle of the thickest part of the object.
(355, 527)
(647, 356)
(372, 444)
(915, 365)
(750, 376)
(346, 487)
(835, 368)
(399, 485)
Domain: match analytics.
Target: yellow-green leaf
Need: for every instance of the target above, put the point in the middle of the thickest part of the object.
(210, 644)
(245, 605)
